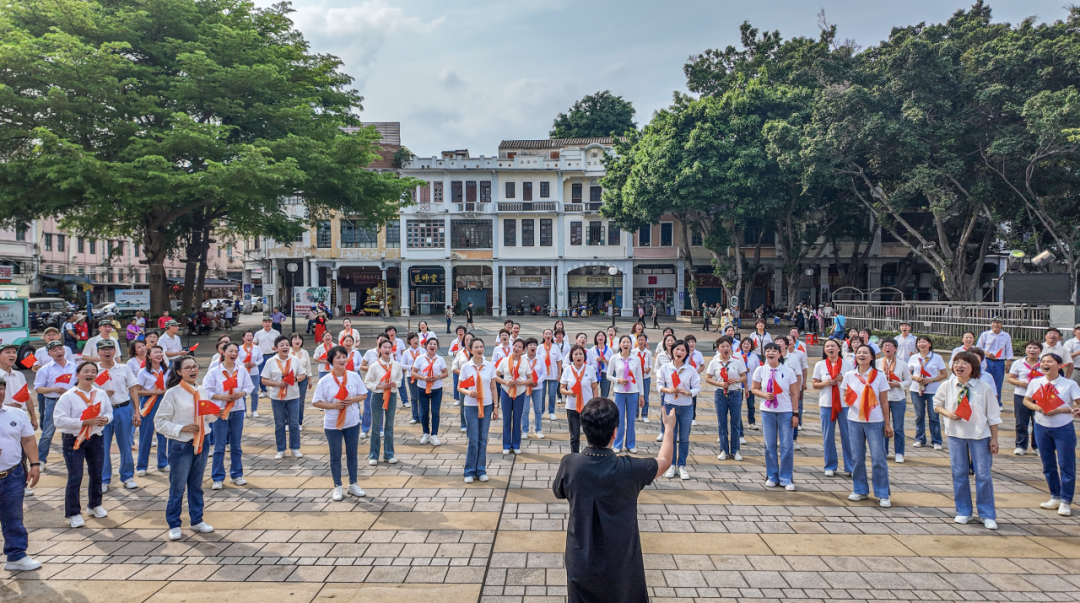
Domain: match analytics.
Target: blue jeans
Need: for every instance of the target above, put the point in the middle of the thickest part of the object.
(227, 431)
(828, 438)
(750, 404)
(977, 452)
(286, 413)
(551, 394)
(1057, 449)
(461, 402)
(1025, 418)
(476, 451)
(120, 426)
(728, 412)
(605, 385)
(795, 432)
(512, 409)
(683, 417)
(47, 430)
(303, 385)
(776, 430)
(382, 427)
(628, 406)
(428, 407)
(334, 438)
(257, 380)
(897, 408)
(365, 420)
(536, 400)
(924, 403)
(643, 412)
(414, 395)
(185, 473)
(996, 368)
(403, 392)
(146, 436)
(12, 490)
(872, 436)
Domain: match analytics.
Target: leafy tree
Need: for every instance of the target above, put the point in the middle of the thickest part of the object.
(595, 116)
(150, 118)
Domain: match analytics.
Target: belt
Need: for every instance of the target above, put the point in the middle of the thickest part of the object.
(121, 405)
(8, 471)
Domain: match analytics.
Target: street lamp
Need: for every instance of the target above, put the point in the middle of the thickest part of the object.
(612, 271)
(292, 267)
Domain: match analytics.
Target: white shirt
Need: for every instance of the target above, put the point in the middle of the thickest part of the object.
(170, 344)
(90, 349)
(121, 379)
(409, 357)
(15, 382)
(349, 332)
(1071, 346)
(377, 370)
(821, 373)
(598, 358)
(645, 360)
(459, 361)
(214, 380)
(304, 358)
(322, 352)
(500, 352)
(750, 360)
(878, 385)
(456, 346)
(397, 348)
(1022, 371)
(176, 410)
(47, 377)
(696, 361)
(957, 350)
(255, 355)
(760, 341)
(688, 380)
(265, 340)
(148, 379)
(14, 426)
(784, 378)
(659, 360)
(1067, 390)
(44, 358)
(982, 398)
(550, 360)
(905, 346)
(1058, 349)
(903, 377)
(735, 370)
(136, 364)
(67, 415)
(933, 365)
(424, 336)
(435, 364)
(616, 370)
(997, 347)
(569, 378)
(275, 369)
(326, 391)
(505, 371)
(539, 371)
(485, 373)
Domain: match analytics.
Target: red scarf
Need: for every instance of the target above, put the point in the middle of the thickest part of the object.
(834, 372)
(576, 387)
(203, 408)
(250, 349)
(342, 393)
(1033, 371)
(430, 376)
(477, 382)
(513, 374)
(386, 379)
(93, 411)
(148, 407)
(229, 385)
(547, 357)
(287, 377)
(867, 399)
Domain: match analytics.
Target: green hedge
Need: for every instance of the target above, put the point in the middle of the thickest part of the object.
(949, 342)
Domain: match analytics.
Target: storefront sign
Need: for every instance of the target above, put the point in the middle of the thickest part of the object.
(580, 281)
(306, 298)
(427, 277)
(654, 281)
(6, 272)
(514, 281)
(131, 300)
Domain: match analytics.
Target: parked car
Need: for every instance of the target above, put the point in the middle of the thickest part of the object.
(109, 308)
(47, 304)
(214, 302)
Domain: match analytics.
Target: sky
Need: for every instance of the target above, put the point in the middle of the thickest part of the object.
(466, 75)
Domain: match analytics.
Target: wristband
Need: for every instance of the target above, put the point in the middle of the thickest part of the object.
(35, 464)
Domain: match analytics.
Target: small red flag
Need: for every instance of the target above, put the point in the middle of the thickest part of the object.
(102, 378)
(65, 378)
(466, 384)
(23, 395)
(193, 348)
(206, 407)
(29, 361)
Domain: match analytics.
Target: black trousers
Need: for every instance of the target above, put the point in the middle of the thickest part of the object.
(574, 421)
(1024, 418)
(93, 452)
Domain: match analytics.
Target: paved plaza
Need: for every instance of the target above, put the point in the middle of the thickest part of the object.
(422, 534)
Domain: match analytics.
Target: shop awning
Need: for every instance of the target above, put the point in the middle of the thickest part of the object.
(71, 278)
(211, 283)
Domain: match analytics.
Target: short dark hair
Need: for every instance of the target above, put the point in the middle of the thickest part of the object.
(599, 419)
(889, 340)
(279, 339)
(973, 361)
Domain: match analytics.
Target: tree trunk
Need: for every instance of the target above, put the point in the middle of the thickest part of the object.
(155, 252)
(685, 245)
(204, 251)
(191, 259)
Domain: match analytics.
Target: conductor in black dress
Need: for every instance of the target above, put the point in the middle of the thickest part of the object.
(603, 549)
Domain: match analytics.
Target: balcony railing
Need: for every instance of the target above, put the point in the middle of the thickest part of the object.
(471, 207)
(573, 207)
(512, 206)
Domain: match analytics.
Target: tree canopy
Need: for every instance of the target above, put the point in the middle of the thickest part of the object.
(596, 115)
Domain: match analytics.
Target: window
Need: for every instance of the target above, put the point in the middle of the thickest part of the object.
(614, 235)
(595, 193)
(455, 191)
(425, 194)
(93, 246)
(355, 234)
(545, 232)
(82, 271)
(545, 189)
(644, 236)
(575, 233)
(258, 242)
(322, 234)
(596, 233)
(528, 233)
(299, 237)
(20, 232)
(393, 233)
(120, 248)
(425, 234)
(510, 192)
(526, 191)
(219, 252)
(228, 250)
(575, 192)
(485, 191)
(135, 249)
(695, 237)
(120, 275)
(436, 192)
(109, 247)
(48, 242)
(509, 232)
(470, 191)
(79, 244)
(665, 234)
(60, 242)
(470, 234)
(136, 276)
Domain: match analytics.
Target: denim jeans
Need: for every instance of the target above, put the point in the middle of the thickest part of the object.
(1025, 418)
(776, 430)
(286, 414)
(728, 418)
(829, 428)
(643, 412)
(461, 403)
(12, 489)
(536, 401)
(92, 451)
(605, 385)
(403, 392)
(146, 436)
(382, 427)
(428, 406)
(365, 420)
(120, 426)
(897, 408)
(47, 430)
(965, 454)
(924, 405)
(573, 423)
(996, 368)
(414, 395)
(795, 431)
(476, 451)
(683, 417)
(512, 409)
(628, 406)
(551, 394)
(750, 403)
(41, 408)
(186, 473)
(257, 380)
(303, 385)
(1057, 449)
(351, 438)
(872, 436)
(227, 431)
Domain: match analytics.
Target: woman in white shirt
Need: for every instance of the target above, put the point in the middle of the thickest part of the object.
(414, 350)
(513, 374)
(347, 330)
(322, 353)
(296, 345)
(760, 337)
(828, 377)
(772, 384)
(384, 379)
(643, 355)
(899, 375)
(972, 415)
(624, 372)
(477, 386)
(534, 394)
(1053, 398)
(185, 419)
(429, 370)
(678, 383)
(423, 333)
(1023, 371)
(927, 373)
(745, 352)
(339, 393)
(251, 358)
(578, 386)
(728, 374)
(456, 363)
(599, 357)
(228, 384)
(82, 440)
(281, 375)
(867, 396)
(151, 388)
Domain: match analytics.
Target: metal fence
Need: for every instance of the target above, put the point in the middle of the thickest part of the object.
(1023, 322)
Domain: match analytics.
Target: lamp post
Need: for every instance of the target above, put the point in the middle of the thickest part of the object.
(292, 267)
(612, 271)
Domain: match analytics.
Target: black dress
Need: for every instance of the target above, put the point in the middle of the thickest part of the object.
(603, 548)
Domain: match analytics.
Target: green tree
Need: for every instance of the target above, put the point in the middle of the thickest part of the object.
(595, 116)
(148, 118)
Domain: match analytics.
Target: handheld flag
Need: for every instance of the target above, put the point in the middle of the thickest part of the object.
(29, 361)
(102, 378)
(23, 395)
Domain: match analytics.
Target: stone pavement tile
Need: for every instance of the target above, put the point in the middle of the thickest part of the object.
(436, 521)
(1007, 582)
(1066, 546)
(845, 580)
(805, 580)
(119, 571)
(357, 520)
(36, 591)
(762, 562)
(976, 546)
(806, 563)
(314, 573)
(756, 579)
(80, 571)
(396, 593)
(233, 573)
(525, 577)
(244, 592)
(924, 581)
(194, 573)
(470, 575)
(271, 573)
(387, 574)
(815, 544)
(349, 573)
(693, 562)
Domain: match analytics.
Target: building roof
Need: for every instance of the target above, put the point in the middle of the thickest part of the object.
(554, 143)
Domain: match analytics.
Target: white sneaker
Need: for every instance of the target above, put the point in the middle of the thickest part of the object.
(99, 512)
(517, 451)
(539, 435)
(796, 446)
(435, 441)
(240, 481)
(25, 564)
(693, 423)
(738, 457)
(900, 458)
(1053, 503)
(646, 420)
(130, 484)
(363, 435)
(255, 414)
(742, 440)
(28, 492)
(104, 488)
(829, 473)
(660, 438)
(683, 474)
(962, 519)
(297, 454)
(917, 444)
(937, 446)
(717, 440)
(203, 528)
(857, 497)
(632, 450)
(300, 428)
(279, 456)
(425, 438)
(990, 524)
(392, 460)
(76, 521)
(722, 456)
(484, 478)
(174, 534)
(770, 484)
(373, 462)
(337, 494)
(1065, 509)
(355, 490)
(551, 416)
(140, 473)
(755, 427)
(167, 468)
(464, 429)
(670, 473)
(457, 403)
(469, 480)
(884, 502)
(217, 486)
(506, 451)
(790, 487)
(616, 450)
(412, 421)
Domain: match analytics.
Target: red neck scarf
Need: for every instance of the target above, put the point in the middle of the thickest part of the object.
(93, 411)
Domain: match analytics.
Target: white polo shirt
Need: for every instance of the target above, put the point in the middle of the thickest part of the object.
(14, 426)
